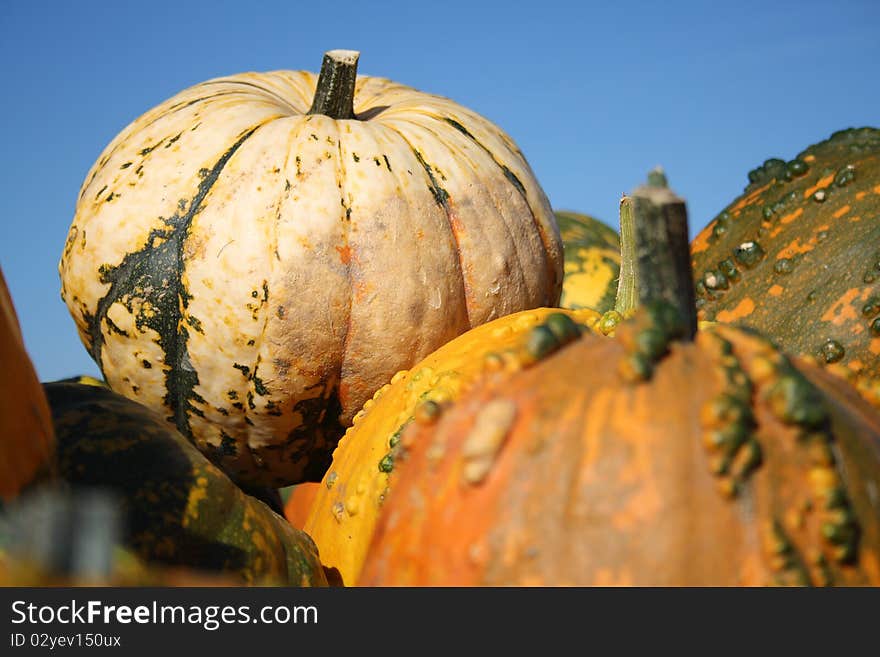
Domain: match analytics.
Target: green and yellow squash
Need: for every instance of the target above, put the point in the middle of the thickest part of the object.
(592, 262)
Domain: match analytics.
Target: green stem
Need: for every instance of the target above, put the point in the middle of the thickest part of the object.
(655, 251)
(334, 95)
(626, 285)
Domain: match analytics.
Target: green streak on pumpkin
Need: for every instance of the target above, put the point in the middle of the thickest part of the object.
(152, 278)
(441, 196)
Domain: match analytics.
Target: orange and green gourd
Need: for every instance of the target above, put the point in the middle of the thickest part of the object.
(664, 455)
(341, 513)
(26, 434)
(592, 262)
(180, 510)
(797, 255)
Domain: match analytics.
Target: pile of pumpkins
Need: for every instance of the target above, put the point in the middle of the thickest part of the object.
(346, 340)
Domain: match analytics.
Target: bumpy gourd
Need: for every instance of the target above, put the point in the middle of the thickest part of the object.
(797, 255)
(257, 255)
(727, 465)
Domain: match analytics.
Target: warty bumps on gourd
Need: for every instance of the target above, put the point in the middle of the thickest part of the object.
(254, 263)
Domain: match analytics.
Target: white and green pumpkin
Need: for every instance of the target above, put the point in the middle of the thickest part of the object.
(257, 255)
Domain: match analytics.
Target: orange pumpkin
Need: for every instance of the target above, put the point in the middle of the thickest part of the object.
(299, 502)
(569, 474)
(643, 459)
(26, 435)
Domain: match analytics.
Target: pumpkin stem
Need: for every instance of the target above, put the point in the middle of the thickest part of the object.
(655, 251)
(625, 302)
(334, 95)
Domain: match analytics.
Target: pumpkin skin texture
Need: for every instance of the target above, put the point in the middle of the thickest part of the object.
(255, 273)
(726, 467)
(797, 256)
(592, 262)
(26, 434)
(343, 513)
(180, 509)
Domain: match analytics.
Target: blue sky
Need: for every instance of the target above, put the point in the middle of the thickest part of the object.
(595, 94)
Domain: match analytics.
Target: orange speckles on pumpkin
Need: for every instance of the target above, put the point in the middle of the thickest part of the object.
(795, 247)
(841, 211)
(751, 198)
(843, 310)
(860, 195)
(701, 242)
(745, 308)
(344, 254)
(776, 290)
(791, 216)
(360, 290)
(822, 183)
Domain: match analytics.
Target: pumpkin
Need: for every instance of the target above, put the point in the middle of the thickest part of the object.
(341, 513)
(797, 255)
(180, 509)
(592, 262)
(299, 501)
(257, 255)
(26, 436)
(660, 456)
